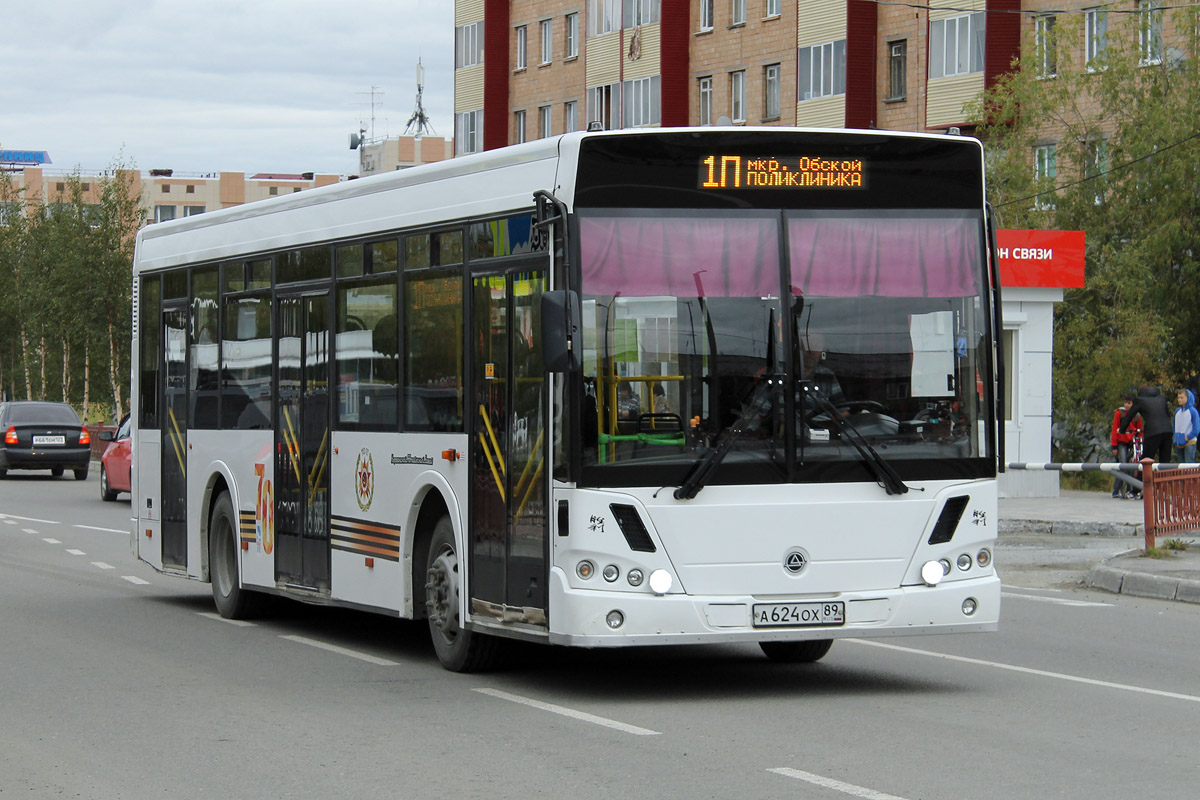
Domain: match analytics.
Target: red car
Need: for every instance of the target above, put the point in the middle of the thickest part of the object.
(115, 462)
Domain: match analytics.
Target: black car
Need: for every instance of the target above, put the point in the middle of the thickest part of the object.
(40, 435)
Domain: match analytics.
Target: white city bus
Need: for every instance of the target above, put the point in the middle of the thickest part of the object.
(603, 389)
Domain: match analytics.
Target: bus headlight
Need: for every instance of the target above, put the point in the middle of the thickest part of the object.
(660, 581)
(965, 561)
(984, 558)
(969, 605)
(932, 573)
(611, 572)
(615, 619)
(585, 569)
(635, 577)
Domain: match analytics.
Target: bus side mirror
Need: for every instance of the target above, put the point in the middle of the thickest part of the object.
(561, 343)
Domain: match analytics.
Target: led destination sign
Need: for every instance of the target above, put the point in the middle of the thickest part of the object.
(796, 172)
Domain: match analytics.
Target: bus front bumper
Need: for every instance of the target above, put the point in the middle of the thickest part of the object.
(583, 618)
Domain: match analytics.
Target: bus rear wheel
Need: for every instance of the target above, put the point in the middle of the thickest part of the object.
(459, 649)
(232, 601)
(796, 652)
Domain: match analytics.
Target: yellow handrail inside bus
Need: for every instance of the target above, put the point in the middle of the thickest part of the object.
(487, 421)
(492, 464)
(177, 441)
(537, 448)
(314, 477)
(293, 445)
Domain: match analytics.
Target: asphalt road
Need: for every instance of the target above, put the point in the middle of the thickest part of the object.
(117, 682)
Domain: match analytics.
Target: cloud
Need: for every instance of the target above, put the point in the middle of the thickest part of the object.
(222, 85)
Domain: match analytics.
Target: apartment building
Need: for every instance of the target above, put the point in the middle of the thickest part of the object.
(169, 195)
(531, 68)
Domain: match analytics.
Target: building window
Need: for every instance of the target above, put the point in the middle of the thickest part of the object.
(737, 12)
(643, 101)
(1043, 31)
(570, 116)
(164, 213)
(544, 119)
(772, 9)
(771, 91)
(706, 101)
(897, 70)
(737, 95)
(956, 45)
(468, 45)
(1096, 34)
(522, 47)
(190, 189)
(706, 15)
(821, 70)
(1045, 158)
(641, 12)
(600, 101)
(518, 127)
(547, 41)
(191, 211)
(166, 188)
(572, 35)
(1150, 31)
(604, 16)
(468, 131)
(273, 191)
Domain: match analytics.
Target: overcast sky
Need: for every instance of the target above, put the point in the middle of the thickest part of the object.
(211, 85)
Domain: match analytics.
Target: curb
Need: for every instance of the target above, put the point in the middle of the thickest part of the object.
(1143, 584)
(1071, 528)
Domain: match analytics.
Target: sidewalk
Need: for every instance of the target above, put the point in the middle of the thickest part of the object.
(1120, 569)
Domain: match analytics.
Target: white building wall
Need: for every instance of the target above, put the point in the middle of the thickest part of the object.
(1029, 314)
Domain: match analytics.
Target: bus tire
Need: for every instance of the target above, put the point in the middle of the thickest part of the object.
(459, 649)
(796, 652)
(232, 601)
(107, 494)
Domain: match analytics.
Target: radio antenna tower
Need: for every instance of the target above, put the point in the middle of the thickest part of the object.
(419, 121)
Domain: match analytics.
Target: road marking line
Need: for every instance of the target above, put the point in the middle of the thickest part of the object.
(9, 517)
(583, 716)
(136, 580)
(27, 530)
(1030, 588)
(10, 522)
(836, 785)
(94, 528)
(51, 541)
(333, 648)
(102, 565)
(1031, 671)
(1062, 601)
(77, 552)
(241, 623)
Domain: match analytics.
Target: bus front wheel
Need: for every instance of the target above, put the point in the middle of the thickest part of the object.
(232, 601)
(457, 648)
(796, 652)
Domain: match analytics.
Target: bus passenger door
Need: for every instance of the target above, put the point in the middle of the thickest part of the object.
(174, 437)
(508, 520)
(302, 442)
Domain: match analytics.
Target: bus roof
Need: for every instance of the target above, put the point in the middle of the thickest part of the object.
(477, 185)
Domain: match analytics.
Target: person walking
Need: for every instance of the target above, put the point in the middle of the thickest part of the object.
(1157, 424)
(1122, 444)
(1187, 427)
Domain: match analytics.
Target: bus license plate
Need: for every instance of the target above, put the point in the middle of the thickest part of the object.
(44, 440)
(767, 615)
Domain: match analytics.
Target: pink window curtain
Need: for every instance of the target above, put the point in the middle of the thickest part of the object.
(859, 257)
(681, 257)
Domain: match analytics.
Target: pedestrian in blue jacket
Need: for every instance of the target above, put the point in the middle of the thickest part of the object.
(1187, 427)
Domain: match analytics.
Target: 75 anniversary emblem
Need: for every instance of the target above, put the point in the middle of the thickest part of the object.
(364, 479)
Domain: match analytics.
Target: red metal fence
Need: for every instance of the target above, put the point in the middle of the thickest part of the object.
(1170, 500)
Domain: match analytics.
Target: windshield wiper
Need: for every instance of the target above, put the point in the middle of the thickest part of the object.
(880, 468)
(752, 415)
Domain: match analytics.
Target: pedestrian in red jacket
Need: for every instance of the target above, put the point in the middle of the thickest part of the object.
(1122, 443)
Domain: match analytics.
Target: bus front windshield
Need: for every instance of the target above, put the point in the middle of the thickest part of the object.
(788, 338)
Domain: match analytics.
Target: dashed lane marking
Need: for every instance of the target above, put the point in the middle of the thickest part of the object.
(10, 517)
(836, 785)
(51, 541)
(135, 580)
(95, 528)
(77, 552)
(1031, 671)
(333, 648)
(102, 565)
(241, 623)
(1061, 601)
(28, 530)
(583, 716)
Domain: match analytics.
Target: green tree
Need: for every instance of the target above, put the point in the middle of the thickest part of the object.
(1111, 148)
